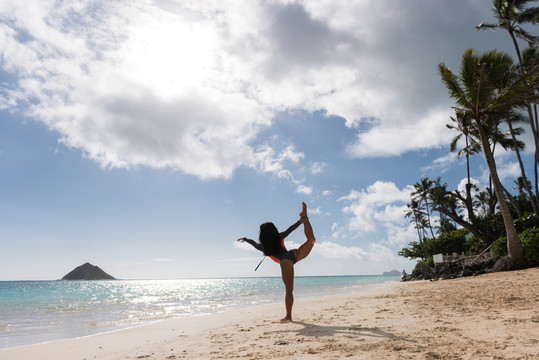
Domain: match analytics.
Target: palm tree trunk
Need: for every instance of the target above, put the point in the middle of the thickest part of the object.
(514, 246)
(428, 218)
(511, 201)
(525, 179)
(534, 127)
(469, 202)
(517, 48)
(536, 138)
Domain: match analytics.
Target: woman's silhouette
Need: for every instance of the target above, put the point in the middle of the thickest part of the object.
(272, 245)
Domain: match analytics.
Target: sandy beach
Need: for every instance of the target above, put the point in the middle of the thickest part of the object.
(493, 316)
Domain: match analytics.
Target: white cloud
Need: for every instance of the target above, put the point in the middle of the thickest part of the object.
(375, 252)
(509, 172)
(462, 185)
(303, 189)
(401, 235)
(376, 218)
(266, 160)
(388, 138)
(162, 259)
(189, 85)
(335, 251)
(318, 168)
(374, 205)
(441, 164)
(331, 250)
(316, 211)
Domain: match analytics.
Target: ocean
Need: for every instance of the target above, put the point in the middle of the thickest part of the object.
(33, 312)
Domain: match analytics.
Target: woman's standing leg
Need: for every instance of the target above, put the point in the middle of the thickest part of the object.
(287, 271)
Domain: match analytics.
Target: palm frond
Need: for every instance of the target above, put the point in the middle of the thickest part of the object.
(529, 15)
(453, 85)
(524, 35)
(486, 26)
(517, 95)
(454, 142)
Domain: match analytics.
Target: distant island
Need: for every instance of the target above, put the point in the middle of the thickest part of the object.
(88, 272)
(392, 273)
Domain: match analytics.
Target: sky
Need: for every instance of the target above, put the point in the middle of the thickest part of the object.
(146, 137)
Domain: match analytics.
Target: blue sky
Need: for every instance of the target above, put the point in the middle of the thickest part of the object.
(145, 137)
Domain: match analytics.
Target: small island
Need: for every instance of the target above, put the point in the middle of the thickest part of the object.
(392, 273)
(88, 272)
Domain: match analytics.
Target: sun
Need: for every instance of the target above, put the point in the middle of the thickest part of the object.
(168, 54)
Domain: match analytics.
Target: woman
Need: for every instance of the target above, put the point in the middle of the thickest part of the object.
(272, 245)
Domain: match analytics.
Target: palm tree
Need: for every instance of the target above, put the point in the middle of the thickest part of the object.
(484, 200)
(530, 58)
(482, 89)
(511, 14)
(512, 118)
(414, 211)
(464, 126)
(506, 139)
(421, 194)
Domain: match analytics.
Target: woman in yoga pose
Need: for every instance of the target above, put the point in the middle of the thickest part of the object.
(272, 245)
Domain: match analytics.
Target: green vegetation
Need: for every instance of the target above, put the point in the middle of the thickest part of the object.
(492, 95)
(530, 242)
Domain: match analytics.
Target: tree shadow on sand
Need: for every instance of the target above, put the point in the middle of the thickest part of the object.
(331, 330)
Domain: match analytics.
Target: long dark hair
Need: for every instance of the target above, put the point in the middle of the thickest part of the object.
(270, 239)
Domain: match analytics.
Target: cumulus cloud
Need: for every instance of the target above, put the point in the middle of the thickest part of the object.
(189, 85)
(462, 185)
(374, 205)
(318, 168)
(266, 159)
(304, 189)
(331, 250)
(327, 193)
(509, 171)
(388, 138)
(441, 164)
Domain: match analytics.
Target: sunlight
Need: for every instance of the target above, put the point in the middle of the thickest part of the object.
(168, 54)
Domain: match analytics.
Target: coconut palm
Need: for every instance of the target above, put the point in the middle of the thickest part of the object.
(483, 90)
(511, 15)
(464, 126)
(421, 195)
(417, 218)
(506, 139)
(530, 58)
(512, 118)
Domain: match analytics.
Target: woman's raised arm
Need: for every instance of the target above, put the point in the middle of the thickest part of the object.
(252, 242)
(290, 229)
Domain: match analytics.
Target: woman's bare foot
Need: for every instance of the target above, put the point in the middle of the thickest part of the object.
(286, 319)
(303, 214)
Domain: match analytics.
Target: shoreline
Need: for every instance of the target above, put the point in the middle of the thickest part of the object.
(94, 324)
(486, 317)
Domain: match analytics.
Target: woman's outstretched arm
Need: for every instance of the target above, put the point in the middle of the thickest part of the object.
(290, 229)
(252, 242)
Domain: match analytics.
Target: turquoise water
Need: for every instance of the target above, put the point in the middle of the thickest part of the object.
(39, 311)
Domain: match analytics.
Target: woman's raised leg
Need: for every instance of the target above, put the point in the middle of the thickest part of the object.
(305, 249)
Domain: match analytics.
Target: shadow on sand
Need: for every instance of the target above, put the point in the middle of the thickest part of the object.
(331, 330)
